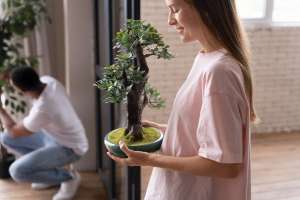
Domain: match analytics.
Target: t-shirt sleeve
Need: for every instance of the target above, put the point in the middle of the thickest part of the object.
(220, 129)
(35, 121)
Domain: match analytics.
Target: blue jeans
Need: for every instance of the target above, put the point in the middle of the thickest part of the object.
(42, 159)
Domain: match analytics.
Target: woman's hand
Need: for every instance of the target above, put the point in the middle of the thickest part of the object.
(161, 127)
(134, 158)
(196, 165)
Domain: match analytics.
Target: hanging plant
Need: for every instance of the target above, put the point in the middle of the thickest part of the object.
(19, 19)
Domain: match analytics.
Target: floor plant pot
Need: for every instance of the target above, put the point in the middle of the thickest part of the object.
(151, 143)
(4, 166)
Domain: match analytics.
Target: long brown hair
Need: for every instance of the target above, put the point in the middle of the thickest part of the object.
(221, 19)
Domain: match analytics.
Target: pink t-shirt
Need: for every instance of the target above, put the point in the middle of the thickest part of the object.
(209, 118)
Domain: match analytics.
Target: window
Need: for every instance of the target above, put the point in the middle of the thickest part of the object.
(269, 11)
(251, 9)
(286, 11)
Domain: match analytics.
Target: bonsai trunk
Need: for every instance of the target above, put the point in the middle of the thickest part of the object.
(137, 99)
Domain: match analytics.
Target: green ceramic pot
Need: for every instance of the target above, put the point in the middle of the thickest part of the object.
(149, 147)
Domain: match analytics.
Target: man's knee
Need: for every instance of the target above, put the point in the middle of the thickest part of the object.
(19, 172)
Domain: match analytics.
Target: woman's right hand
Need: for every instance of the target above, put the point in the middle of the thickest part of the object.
(161, 127)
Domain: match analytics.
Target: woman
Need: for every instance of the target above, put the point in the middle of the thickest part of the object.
(205, 152)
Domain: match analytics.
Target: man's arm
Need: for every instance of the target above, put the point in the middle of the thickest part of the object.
(6, 120)
(14, 129)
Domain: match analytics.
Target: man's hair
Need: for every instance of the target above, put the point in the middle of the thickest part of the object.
(25, 78)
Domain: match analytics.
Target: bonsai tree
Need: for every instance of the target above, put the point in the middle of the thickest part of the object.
(18, 19)
(125, 81)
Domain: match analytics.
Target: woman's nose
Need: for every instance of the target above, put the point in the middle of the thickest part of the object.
(171, 19)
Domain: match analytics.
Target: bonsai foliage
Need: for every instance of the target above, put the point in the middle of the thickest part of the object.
(19, 19)
(125, 81)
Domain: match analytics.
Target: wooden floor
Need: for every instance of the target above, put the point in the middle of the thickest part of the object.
(91, 189)
(275, 170)
(275, 167)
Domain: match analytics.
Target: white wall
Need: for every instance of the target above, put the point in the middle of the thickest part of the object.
(276, 69)
(80, 74)
(56, 40)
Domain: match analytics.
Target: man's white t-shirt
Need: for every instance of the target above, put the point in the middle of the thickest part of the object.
(52, 112)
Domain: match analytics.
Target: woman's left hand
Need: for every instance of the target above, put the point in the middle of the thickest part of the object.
(134, 158)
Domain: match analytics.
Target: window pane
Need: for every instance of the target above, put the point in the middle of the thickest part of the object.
(286, 11)
(251, 9)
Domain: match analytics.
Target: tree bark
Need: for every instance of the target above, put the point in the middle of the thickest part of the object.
(137, 99)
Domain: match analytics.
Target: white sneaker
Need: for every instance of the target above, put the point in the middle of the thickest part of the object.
(69, 188)
(42, 186)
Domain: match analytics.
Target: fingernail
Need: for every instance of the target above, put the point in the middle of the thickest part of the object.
(121, 143)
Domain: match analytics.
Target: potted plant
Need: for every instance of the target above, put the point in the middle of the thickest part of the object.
(17, 20)
(126, 81)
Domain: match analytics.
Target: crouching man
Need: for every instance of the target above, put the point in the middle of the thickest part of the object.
(49, 138)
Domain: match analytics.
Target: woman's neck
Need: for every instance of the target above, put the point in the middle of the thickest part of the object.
(211, 46)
